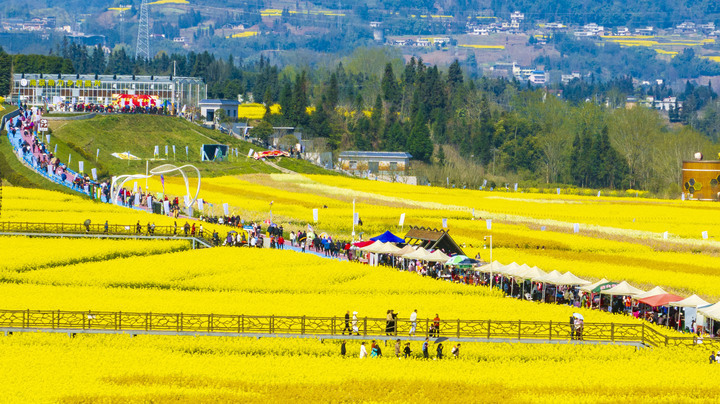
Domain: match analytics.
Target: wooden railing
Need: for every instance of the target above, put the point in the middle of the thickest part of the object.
(113, 230)
(310, 325)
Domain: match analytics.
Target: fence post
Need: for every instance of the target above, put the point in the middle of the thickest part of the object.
(239, 323)
(550, 331)
(365, 326)
(612, 332)
(272, 324)
(519, 328)
(643, 334)
(178, 324)
(210, 321)
(427, 327)
(489, 321)
(52, 319)
(667, 340)
(242, 323)
(148, 322)
(458, 328)
(302, 328)
(25, 320)
(119, 321)
(332, 326)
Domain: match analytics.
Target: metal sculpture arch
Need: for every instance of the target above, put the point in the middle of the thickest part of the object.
(119, 182)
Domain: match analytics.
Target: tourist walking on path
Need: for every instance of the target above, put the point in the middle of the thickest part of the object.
(355, 323)
(397, 348)
(413, 322)
(407, 350)
(363, 351)
(426, 355)
(440, 351)
(347, 323)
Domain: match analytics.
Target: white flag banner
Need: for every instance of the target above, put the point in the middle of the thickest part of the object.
(81, 166)
(705, 235)
(173, 149)
(166, 207)
(47, 139)
(598, 194)
(682, 196)
(201, 204)
(97, 155)
(576, 228)
(49, 169)
(558, 191)
(665, 235)
(69, 159)
(315, 215)
(356, 217)
(226, 209)
(157, 151)
(187, 151)
(137, 199)
(484, 183)
(488, 223)
(516, 187)
(444, 222)
(402, 219)
(250, 153)
(166, 150)
(135, 187)
(149, 202)
(55, 150)
(473, 213)
(94, 174)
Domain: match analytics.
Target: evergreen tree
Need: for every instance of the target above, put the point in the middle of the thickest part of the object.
(419, 144)
(391, 92)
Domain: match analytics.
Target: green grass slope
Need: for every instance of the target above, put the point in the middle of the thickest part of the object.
(139, 134)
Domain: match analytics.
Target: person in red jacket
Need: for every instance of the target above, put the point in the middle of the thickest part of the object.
(281, 242)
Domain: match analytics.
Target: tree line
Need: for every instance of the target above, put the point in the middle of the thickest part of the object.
(505, 129)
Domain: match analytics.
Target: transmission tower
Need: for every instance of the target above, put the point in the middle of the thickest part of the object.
(143, 36)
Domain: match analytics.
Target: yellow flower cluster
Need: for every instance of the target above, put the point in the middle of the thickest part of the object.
(41, 367)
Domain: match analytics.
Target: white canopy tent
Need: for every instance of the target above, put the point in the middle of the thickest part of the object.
(712, 312)
(550, 277)
(387, 248)
(622, 289)
(690, 306)
(405, 250)
(491, 268)
(657, 290)
(419, 254)
(437, 256)
(569, 279)
(692, 301)
(532, 273)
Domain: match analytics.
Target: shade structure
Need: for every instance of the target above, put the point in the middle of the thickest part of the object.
(361, 244)
(419, 254)
(387, 248)
(568, 278)
(712, 312)
(657, 290)
(494, 267)
(388, 237)
(437, 256)
(456, 260)
(662, 299)
(550, 277)
(372, 247)
(510, 269)
(598, 286)
(692, 301)
(622, 289)
(532, 273)
(405, 250)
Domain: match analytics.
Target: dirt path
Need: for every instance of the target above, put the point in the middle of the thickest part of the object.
(277, 167)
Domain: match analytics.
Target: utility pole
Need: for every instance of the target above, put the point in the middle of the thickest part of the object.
(143, 37)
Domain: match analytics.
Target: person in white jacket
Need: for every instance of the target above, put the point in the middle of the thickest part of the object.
(363, 351)
(355, 323)
(413, 322)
